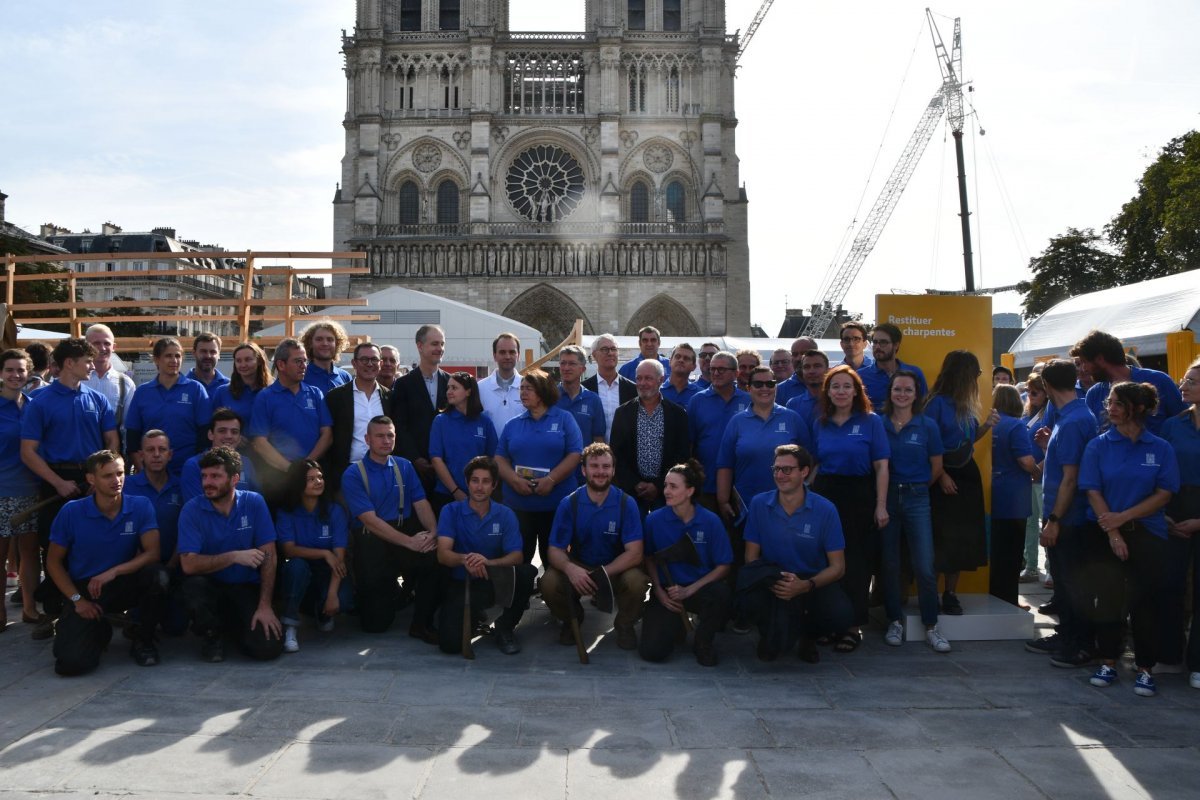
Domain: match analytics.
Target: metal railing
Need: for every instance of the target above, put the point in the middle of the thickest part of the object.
(551, 229)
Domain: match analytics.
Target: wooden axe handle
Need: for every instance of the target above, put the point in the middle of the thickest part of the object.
(687, 620)
(579, 648)
(468, 624)
(21, 517)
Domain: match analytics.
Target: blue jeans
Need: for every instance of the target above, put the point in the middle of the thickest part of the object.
(908, 513)
(301, 574)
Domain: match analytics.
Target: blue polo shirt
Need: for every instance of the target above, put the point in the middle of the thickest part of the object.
(1127, 472)
(748, 447)
(664, 528)
(1051, 414)
(291, 422)
(797, 542)
(243, 406)
(803, 403)
(95, 543)
(788, 389)
(540, 444)
(629, 368)
(455, 439)
(866, 362)
(1170, 402)
(305, 528)
(192, 485)
(68, 424)
(494, 535)
(167, 505)
(954, 433)
(326, 379)
(681, 399)
(588, 411)
(1074, 428)
(1011, 498)
(384, 495)
(596, 534)
(875, 381)
(708, 414)
(852, 447)
(1184, 437)
(182, 412)
(912, 447)
(703, 383)
(16, 480)
(205, 531)
(218, 380)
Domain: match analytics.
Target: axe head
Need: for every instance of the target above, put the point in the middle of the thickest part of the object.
(504, 584)
(683, 551)
(603, 598)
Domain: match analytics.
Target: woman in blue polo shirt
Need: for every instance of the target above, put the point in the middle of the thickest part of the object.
(1012, 466)
(916, 462)
(461, 432)
(956, 500)
(537, 455)
(171, 402)
(852, 456)
(250, 376)
(312, 532)
(699, 587)
(18, 486)
(1183, 520)
(1129, 475)
(1033, 415)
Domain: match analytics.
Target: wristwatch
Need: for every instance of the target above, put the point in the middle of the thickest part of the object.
(1052, 517)
(75, 598)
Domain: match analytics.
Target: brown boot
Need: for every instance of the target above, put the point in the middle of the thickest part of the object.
(626, 637)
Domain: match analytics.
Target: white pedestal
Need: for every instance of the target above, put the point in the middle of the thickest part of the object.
(984, 618)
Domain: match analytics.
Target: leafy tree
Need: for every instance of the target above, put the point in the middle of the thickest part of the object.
(35, 291)
(130, 329)
(1075, 262)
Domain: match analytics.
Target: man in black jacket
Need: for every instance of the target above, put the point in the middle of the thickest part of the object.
(614, 389)
(649, 436)
(352, 405)
(416, 399)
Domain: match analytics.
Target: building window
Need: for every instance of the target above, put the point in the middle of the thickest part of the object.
(673, 90)
(410, 204)
(672, 15)
(637, 15)
(544, 184)
(676, 202)
(637, 89)
(410, 15)
(85, 246)
(544, 83)
(448, 17)
(447, 203)
(639, 203)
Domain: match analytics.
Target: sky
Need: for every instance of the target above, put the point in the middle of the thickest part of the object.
(223, 120)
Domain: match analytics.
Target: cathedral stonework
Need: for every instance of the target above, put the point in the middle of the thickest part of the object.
(548, 176)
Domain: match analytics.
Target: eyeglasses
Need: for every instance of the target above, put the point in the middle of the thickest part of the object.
(762, 384)
(706, 355)
(367, 361)
(720, 370)
(853, 339)
(606, 350)
(883, 342)
(781, 470)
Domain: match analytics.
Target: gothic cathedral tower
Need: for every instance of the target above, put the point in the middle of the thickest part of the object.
(548, 176)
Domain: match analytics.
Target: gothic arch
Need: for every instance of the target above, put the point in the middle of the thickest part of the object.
(549, 310)
(665, 313)
(401, 161)
(546, 134)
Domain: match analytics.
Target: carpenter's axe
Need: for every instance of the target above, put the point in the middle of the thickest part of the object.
(683, 552)
(504, 587)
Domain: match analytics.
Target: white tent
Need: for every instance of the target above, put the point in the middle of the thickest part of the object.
(1140, 315)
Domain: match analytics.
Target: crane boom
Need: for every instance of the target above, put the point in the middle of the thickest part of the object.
(754, 24)
(837, 283)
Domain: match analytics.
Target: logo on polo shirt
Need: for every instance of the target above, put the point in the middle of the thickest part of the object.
(173, 500)
(245, 522)
(554, 427)
(585, 411)
(479, 432)
(495, 529)
(741, 407)
(185, 399)
(699, 537)
(308, 403)
(854, 430)
(1150, 460)
(612, 528)
(782, 428)
(325, 532)
(913, 438)
(128, 528)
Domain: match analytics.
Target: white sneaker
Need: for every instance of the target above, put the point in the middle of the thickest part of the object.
(937, 641)
(290, 645)
(895, 633)
(325, 625)
(1194, 680)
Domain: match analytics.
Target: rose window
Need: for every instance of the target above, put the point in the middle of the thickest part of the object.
(545, 184)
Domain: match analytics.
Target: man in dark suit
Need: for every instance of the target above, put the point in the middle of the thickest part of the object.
(416, 399)
(649, 436)
(612, 387)
(352, 405)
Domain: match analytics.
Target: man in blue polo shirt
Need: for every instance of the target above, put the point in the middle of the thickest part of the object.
(103, 558)
(156, 483)
(227, 550)
(206, 353)
(290, 421)
(584, 404)
(813, 366)
(475, 534)
(324, 341)
(396, 535)
(170, 402)
(854, 345)
(597, 525)
(1064, 508)
(679, 387)
(1104, 356)
(225, 430)
(649, 340)
(885, 346)
(708, 414)
(795, 383)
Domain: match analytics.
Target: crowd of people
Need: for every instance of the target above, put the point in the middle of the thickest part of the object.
(787, 496)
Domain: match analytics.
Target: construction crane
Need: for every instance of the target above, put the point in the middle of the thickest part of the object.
(948, 100)
(754, 25)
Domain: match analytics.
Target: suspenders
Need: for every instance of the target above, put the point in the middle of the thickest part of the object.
(362, 471)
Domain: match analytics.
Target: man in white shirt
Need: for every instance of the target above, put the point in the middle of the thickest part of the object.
(106, 379)
(352, 405)
(500, 392)
(613, 388)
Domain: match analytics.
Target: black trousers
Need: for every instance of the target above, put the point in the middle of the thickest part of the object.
(450, 614)
(662, 628)
(1132, 587)
(228, 608)
(78, 642)
(535, 531)
(1006, 552)
(377, 565)
(854, 498)
(1069, 565)
(781, 623)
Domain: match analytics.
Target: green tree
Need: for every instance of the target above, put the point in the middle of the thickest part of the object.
(48, 291)
(1158, 231)
(1075, 262)
(130, 329)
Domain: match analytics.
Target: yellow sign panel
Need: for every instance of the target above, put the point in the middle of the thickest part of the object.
(931, 326)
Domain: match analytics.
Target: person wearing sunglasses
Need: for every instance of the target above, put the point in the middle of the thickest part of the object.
(704, 359)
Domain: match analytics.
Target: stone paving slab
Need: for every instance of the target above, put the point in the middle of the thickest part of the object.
(951, 773)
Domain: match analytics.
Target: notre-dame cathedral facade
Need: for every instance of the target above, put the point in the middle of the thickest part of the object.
(548, 176)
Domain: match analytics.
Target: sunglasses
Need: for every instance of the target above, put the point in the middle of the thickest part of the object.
(720, 370)
(762, 384)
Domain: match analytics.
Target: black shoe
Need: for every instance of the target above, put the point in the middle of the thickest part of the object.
(213, 649)
(808, 651)
(566, 636)
(1070, 659)
(506, 641)
(43, 628)
(626, 637)
(144, 653)
(1046, 646)
(1048, 609)
(426, 635)
(706, 656)
(950, 604)
(765, 651)
(15, 599)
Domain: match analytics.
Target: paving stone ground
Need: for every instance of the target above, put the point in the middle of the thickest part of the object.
(383, 716)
